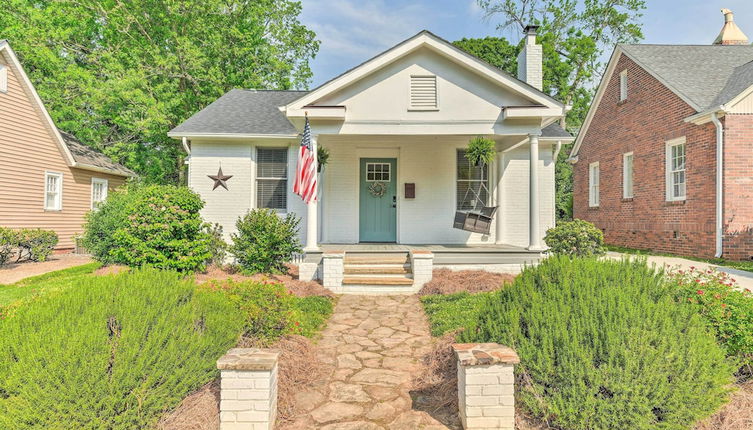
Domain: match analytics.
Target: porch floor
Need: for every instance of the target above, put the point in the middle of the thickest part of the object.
(439, 248)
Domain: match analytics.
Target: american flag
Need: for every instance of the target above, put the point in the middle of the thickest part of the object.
(305, 172)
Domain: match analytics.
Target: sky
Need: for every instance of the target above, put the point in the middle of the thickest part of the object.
(352, 31)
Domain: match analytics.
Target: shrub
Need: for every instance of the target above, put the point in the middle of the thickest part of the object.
(604, 345)
(265, 241)
(156, 225)
(272, 311)
(726, 309)
(217, 245)
(450, 312)
(481, 150)
(8, 244)
(576, 238)
(113, 352)
(36, 244)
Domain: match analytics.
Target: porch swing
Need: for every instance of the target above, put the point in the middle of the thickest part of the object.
(479, 218)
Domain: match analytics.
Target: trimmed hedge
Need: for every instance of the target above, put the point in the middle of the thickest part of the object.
(605, 345)
(576, 238)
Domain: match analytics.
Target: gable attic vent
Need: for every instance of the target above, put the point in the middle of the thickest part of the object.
(423, 92)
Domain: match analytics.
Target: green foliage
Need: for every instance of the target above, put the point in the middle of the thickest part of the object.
(496, 51)
(112, 352)
(481, 150)
(451, 312)
(272, 311)
(35, 244)
(217, 245)
(8, 244)
(155, 225)
(120, 75)
(322, 157)
(265, 241)
(605, 345)
(727, 309)
(576, 238)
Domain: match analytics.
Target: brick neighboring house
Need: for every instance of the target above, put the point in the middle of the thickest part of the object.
(646, 158)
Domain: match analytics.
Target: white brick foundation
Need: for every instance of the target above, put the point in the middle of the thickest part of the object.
(422, 264)
(486, 385)
(333, 268)
(248, 389)
(308, 271)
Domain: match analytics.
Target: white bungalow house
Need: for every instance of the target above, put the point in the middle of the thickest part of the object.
(403, 119)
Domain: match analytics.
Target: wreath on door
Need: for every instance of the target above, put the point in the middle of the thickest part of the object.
(377, 189)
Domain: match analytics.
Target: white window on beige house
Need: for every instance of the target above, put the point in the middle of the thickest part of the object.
(593, 184)
(99, 192)
(623, 85)
(423, 92)
(53, 196)
(675, 168)
(627, 175)
(272, 178)
(3, 78)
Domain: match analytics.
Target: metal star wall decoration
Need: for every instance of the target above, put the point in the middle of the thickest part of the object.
(220, 179)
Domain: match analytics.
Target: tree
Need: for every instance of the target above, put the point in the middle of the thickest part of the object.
(575, 36)
(119, 74)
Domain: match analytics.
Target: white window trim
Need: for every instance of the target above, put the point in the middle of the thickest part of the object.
(3, 78)
(413, 108)
(488, 181)
(106, 184)
(623, 85)
(287, 177)
(58, 175)
(593, 197)
(625, 193)
(668, 169)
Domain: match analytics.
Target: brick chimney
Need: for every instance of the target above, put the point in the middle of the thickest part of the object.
(530, 59)
(731, 33)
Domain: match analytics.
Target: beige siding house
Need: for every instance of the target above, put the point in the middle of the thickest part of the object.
(48, 179)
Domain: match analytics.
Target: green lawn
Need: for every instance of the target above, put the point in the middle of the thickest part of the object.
(740, 265)
(56, 280)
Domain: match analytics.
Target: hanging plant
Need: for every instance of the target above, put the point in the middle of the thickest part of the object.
(480, 150)
(322, 157)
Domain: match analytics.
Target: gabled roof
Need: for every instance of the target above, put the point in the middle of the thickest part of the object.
(555, 131)
(75, 153)
(698, 73)
(245, 112)
(704, 76)
(428, 39)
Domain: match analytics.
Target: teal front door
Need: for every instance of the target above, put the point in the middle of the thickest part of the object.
(378, 205)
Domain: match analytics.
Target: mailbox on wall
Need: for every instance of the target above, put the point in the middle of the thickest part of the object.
(410, 191)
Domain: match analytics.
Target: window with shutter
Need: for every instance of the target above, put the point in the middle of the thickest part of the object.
(470, 176)
(272, 178)
(423, 92)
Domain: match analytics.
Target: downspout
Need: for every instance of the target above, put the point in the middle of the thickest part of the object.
(719, 183)
(187, 161)
(557, 149)
(185, 145)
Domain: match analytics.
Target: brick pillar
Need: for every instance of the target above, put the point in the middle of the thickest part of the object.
(422, 265)
(333, 269)
(307, 271)
(486, 389)
(248, 389)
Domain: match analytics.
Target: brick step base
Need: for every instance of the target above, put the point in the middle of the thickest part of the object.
(378, 280)
(372, 269)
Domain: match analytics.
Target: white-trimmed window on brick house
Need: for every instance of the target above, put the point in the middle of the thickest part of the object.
(627, 175)
(423, 92)
(53, 191)
(593, 184)
(99, 192)
(623, 85)
(272, 178)
(472, 180)
(675, 169)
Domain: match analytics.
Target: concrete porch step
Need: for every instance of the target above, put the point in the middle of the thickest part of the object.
(371, 269)
(378, 280)
(376, 259)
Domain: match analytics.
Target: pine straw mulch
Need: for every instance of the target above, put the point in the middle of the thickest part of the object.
(290, 280)
(446, 281)
(735, 415)
(299, 368)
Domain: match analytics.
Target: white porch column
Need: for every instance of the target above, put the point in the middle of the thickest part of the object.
(534, 237)
(499, 227)
(312, 213)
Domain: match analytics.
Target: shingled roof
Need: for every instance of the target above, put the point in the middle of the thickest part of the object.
(704, 75)
(89, 157)
(253, 112)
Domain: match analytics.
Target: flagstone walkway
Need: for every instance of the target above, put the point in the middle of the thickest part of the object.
(372, 347)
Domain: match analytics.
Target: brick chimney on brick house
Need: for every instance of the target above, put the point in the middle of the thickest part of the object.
(530, 60)
(731, 33)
